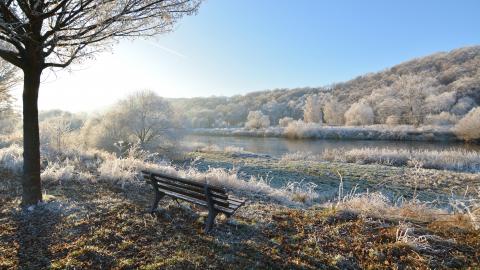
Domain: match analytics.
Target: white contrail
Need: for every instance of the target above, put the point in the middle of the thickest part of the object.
(167, 49)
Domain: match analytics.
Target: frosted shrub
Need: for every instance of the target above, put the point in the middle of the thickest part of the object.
(456, 160)
(120, 169)
(256, 120)
(296, 156)
(58, 172)
(377, 204)
(233, 149)
(299, 129)
(11, 138)
(442, 119)
(359, 114)
(283, 122)
(463, 106)
(392, 120)
(8, 124)
(11, 158)
(468, 128)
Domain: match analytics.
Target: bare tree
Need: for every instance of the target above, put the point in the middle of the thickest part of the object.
(8, 78)
(55, 130)
(40, 34)
(414, 89)
(145, 116)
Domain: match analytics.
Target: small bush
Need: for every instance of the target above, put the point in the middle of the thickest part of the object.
(11, 158)
(392, 120)
(256, 120)
(283, 122)
(359, 114)
(468, 128)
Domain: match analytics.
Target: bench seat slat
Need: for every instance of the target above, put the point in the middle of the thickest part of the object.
(233, 199)
(185, 181)
(196, 201)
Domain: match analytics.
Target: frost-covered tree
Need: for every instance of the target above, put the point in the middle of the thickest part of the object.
(413, 89)
(359, 114)
(145, 116)
(390, 107)
(8, 79)
(333, 112)
(256, 120)
(8, 115)
(40, 34)
(443, 102)
(204, 119)
(468, 128)
(312, 112)
(102, 133)
(142, 118)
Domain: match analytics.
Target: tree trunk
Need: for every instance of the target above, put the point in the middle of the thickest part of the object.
(31, 183)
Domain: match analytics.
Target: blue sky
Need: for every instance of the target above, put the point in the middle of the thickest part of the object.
(237, 46)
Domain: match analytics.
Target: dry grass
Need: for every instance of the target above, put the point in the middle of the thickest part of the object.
(454, 160)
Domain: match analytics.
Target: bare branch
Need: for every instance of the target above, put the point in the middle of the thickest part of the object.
(59, 32)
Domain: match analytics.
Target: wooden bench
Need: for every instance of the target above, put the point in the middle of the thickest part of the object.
(214, 198)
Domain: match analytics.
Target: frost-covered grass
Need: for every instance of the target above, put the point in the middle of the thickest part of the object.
(301, 130)
(93, 165)
(454, 159)
(127, 171)
(11, 158)
(462, 212)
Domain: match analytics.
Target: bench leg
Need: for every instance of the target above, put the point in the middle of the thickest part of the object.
(210, 221)
(158, 196)
(212, 213)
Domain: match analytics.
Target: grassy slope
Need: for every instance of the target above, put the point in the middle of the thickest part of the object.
(98, 225)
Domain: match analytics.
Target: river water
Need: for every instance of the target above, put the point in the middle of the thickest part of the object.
(279, 146)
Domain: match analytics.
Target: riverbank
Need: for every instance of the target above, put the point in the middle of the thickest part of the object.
(315, 131)
(395, 182)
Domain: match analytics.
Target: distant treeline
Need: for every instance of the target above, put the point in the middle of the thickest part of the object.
(437, 90)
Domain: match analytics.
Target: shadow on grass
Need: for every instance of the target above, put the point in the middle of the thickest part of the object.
(35, 232)
(233, 242)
